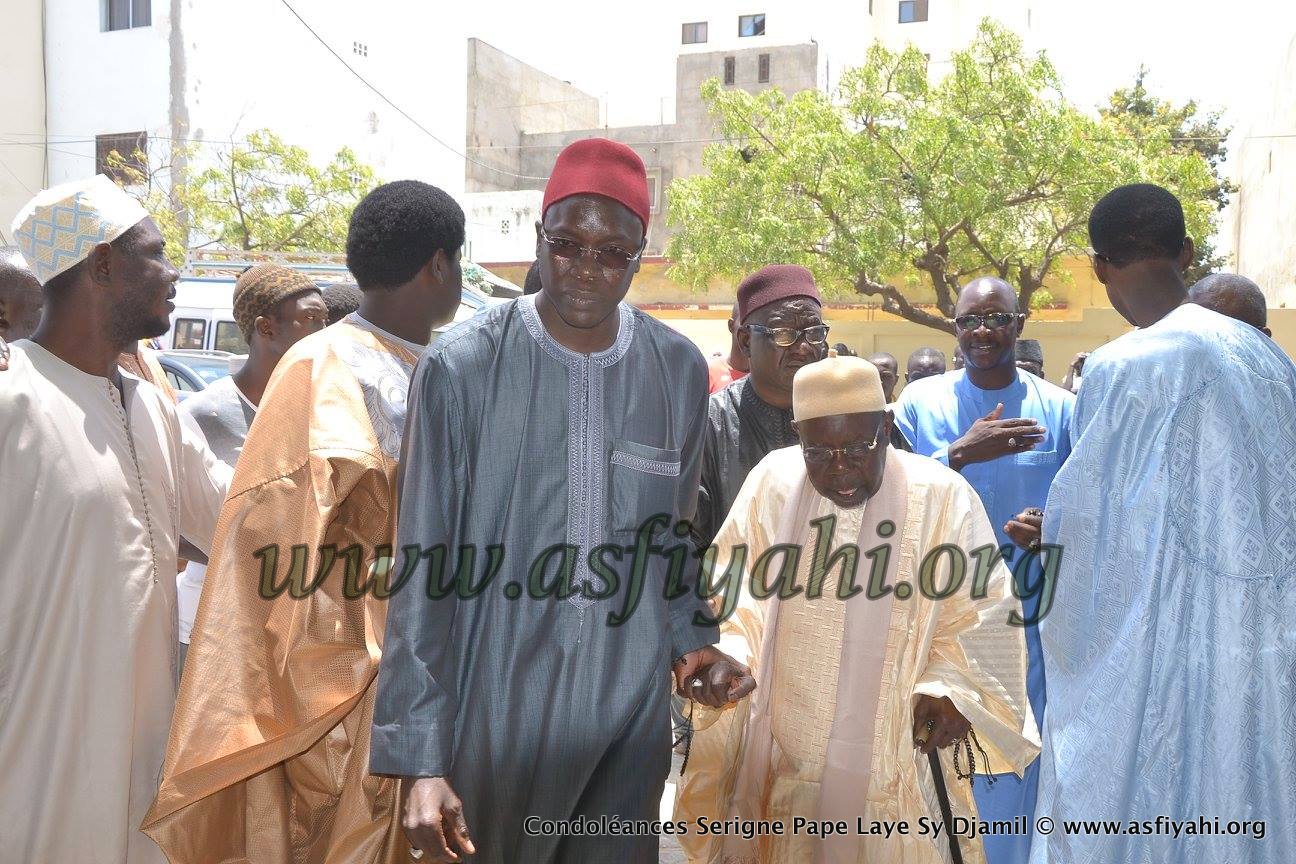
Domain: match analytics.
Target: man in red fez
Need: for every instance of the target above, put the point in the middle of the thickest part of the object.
(524, 667)
(781, 330)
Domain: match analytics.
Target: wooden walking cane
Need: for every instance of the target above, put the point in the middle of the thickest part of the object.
(942, 794)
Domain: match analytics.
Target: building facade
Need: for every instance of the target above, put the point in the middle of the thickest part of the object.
(160, 71)
(22, 105)
(1264, 208)
(519, 118)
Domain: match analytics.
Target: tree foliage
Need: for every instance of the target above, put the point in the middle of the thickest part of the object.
(265, 195)
(154, 185)
(903, 189)
(1137, 113)
(260, 194)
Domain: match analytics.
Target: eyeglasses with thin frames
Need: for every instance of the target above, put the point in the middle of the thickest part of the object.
(786, 337)
(608, 257)
(852, 452)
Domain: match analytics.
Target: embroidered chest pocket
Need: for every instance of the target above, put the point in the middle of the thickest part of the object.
(644, 482)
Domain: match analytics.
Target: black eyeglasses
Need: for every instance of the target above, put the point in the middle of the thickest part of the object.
(609, 257)
(786, 337)
(820, 456)
(993, 320)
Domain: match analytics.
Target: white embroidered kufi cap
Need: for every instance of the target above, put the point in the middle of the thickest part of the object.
(836, 385)
(58, 228)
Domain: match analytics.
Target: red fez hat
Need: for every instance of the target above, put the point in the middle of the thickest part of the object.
(772, 283)
(600, 167)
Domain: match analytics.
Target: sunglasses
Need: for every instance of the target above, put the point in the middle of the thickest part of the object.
(786, 337)
(820, 456)
(608, 257)
(994, 320)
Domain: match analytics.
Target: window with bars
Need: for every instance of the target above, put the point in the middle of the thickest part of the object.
(695, 33)
(763, 69)
(913, 11)
(132, 147)
(126, 14)
(751, 25)
(730, 69)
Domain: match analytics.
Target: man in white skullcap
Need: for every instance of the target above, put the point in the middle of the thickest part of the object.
(875, 633)
(101, 479)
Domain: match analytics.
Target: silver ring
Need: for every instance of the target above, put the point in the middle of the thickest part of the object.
(416, 853)
(1012, 442)
(697, 682)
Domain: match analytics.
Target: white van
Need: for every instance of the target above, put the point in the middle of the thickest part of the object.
(203, 319)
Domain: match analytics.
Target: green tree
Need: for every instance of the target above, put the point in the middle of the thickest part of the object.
(1137, 113)
(259, 195)
(158, 186)
(902, 189)
(265, 195)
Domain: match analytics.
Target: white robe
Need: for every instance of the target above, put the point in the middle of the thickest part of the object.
(94, 500)
(1171, 647)
(828, 733)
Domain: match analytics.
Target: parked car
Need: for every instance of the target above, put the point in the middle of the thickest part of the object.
(203, 319)
(189, 371)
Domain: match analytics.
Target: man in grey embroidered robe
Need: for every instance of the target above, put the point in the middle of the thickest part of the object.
(552, 429)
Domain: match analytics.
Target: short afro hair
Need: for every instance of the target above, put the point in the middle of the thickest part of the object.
(341, 300)
(1137, 222)
(397, 229)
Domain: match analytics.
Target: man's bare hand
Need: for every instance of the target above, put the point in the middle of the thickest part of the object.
(947, 725)
(991, 437)
(432, 816)
(1026, 528)
(712, 677)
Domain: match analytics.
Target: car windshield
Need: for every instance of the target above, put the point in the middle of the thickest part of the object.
(208, 369)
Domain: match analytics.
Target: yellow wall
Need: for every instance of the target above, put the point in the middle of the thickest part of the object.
(1087, 321)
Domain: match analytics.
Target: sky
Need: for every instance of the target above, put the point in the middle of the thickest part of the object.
(1226, 55)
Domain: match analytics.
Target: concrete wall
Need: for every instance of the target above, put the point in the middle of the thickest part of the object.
(22, 105)
(1265, 205)
(672, 150)
(869, 331)
(844, 31)
(101, 83)
(793, 68)
(501, 225)
(508, 98)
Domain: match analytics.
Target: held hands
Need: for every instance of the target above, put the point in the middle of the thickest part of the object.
(991, 437)
(432, 816)
(712, 677)
(937, 723)
(1076, 368)
(1025, 529)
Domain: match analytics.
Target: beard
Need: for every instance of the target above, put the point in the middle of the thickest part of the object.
(133, 319)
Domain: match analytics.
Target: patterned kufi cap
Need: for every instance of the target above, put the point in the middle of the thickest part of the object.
(58, 228)
(259, 289)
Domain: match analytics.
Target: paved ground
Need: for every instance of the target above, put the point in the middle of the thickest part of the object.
(670, 851)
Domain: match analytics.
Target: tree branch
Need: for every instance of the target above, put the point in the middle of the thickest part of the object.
(896, 303)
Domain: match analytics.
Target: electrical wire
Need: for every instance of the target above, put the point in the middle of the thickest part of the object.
(396, 107)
